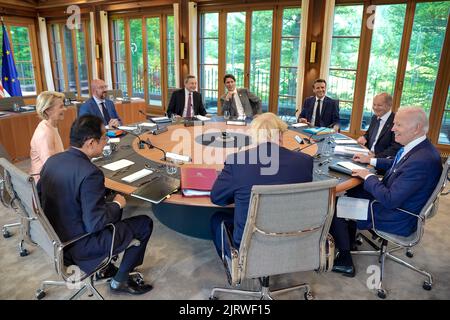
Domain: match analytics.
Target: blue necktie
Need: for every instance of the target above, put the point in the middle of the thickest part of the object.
(397, 157)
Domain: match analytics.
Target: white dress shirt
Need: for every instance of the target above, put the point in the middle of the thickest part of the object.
(313, 117)
(186, 99)
(383, 120)
(238, 104)
(98, 101)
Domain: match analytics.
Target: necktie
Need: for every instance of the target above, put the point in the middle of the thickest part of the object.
(374, 133)
(397, 157)
(106, 116)
(317, 118)
(189, 106)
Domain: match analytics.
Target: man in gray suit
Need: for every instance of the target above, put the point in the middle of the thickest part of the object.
(240, 102)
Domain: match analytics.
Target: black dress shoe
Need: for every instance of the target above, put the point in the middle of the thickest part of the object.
(131, 286)
(107, 272)
(347, 271)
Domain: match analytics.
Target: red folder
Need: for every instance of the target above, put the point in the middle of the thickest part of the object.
(196, 182)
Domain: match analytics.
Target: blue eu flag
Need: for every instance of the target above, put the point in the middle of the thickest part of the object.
(10, 80)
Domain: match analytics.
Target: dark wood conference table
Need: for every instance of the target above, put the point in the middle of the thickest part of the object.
(190, 215)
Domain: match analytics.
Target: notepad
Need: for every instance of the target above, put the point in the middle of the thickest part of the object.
(137, 175)
(236, 123)
(299, 125)
(178, 157)
(127, 128)
(117, 165)
(202, 118)
(349, 165)
(147, 125)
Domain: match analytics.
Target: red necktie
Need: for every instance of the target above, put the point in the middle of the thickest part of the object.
(189, 106)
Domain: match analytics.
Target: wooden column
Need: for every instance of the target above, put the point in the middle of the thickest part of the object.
(184, 38)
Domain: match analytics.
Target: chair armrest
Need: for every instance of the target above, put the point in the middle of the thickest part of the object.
(327, 255)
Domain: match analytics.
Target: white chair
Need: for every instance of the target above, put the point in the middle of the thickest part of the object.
(286, 231)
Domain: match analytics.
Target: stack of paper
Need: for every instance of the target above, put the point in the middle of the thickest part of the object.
(137, 175)
(349, 151)
(346, 141)
(117, 165)
(127, 128)
(299, 125)
(236, 123)
(177, 157)
(147, 125)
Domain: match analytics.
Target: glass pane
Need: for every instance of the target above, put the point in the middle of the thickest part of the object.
(345, 114)
(341, 84)
(82, 61)
(347, 20)
(154, 61)
(121, 83)
(171, 81)
(344, 53)
(68, 49)
(289, 52)
(23, 60)
(291, 22)
(236, 46)
(430, 21)
(260, 55)
(384, 54)
(209, 88)
(444, 134)
(209, 52)
(118, 30)
(57, 58)
(137, 58)
(288, 91)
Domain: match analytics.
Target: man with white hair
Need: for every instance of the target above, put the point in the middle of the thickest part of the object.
(408, 183)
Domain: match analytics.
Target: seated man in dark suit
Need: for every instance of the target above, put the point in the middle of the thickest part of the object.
(379, 138)
(99, 106)
(72, 193)
(239, 102)
(186, 102)
(320, 110)
(265, 164)
(410, 180)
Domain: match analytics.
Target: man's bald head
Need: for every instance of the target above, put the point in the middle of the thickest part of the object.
(98, 88)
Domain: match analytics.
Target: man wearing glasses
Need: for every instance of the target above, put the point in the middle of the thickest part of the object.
(99, 106)
(72, 194)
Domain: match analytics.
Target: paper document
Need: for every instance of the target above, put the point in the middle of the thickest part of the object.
(137, 175)
(147, 125)
(345, 141)
(352, 208)
(160, 119)
(350, 165)
(195, 193)
(117, 165)
(179, 157)
(349, 151)
(202, 118)
(299, 125)
(127, 128)
(114, 140)
(236, 123)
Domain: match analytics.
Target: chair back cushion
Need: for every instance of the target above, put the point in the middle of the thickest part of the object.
(286, 228)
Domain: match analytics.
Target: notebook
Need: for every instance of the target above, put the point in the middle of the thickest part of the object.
(318, 130)
(197, 182)
(157, 190)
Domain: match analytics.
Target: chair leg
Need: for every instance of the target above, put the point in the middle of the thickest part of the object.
(93, 289)
(381, 292)
(410, 266)
(5, 231)
(79, 293)
(249, 293)
(299, 286)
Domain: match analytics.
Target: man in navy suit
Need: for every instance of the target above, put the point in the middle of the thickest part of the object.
(186, 102)
(408, 183)
(267, 163)
(99, 106)
(379, 138)
(320, 110)
(72, 193)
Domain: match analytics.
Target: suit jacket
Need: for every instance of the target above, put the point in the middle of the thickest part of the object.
(236, 180)
(386, 145)
(251, 103)
(408, 186)
(91, 107)
(329, 114)
(72, 194)
(177, 101)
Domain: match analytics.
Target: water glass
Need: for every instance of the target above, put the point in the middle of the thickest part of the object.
(226, 114)
(171, 168)
(107, 151)
(327, 147)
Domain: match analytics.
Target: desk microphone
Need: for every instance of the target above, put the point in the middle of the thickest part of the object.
(150, 145)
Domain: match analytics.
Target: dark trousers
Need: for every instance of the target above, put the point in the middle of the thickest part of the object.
(141, 228)
(344, 230)
(216, 230)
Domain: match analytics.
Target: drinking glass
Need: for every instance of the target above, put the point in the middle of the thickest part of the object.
(226, 114)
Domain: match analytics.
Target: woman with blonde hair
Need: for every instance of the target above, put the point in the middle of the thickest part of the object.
(46, 140)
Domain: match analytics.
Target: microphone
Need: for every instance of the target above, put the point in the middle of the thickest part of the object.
(150, 145)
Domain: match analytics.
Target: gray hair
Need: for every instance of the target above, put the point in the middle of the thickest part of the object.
(417, 115)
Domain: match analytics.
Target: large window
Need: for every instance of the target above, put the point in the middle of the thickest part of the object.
(444, 134)
(344, 58)
(69, 54)
(22, 43)
(396, 49)
(143, 60)
(430, 22)
(258, 46)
